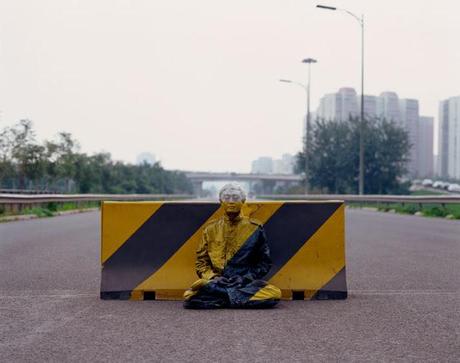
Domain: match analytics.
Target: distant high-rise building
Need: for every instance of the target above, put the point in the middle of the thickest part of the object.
(145, 157)
(338, 106)
(277, 166)
(285, 165)
(449, 138)
(289, 163)
(348, 103)
(328, 107)
(370, 106)
(435, 164)
(409, 113)
(425, 147)
(263, 165)
(388, 106)
(266, 165)
(443, 133)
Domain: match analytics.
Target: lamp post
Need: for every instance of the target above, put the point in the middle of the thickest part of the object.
(361, 121)
(309, 61)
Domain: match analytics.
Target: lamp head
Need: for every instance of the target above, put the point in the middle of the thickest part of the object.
(326, 7)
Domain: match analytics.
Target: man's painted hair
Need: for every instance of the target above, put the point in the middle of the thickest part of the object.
(233, 186)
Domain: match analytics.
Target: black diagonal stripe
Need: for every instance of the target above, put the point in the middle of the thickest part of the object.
(291, 226)
(153, 244)
(335, 289)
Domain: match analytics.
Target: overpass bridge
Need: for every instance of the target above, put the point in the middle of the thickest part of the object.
(258, 183)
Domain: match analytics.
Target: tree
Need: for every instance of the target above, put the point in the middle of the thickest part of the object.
(58, 165)
(66, 148)
(25, 152)
(387, 154)
(7, 168)
(334, 156)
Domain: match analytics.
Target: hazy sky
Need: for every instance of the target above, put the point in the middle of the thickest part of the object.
(196, 82)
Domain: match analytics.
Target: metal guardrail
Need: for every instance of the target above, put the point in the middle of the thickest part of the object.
(46, 198)
(416, 199)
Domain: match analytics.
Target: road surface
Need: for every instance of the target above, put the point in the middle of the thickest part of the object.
(404, 302)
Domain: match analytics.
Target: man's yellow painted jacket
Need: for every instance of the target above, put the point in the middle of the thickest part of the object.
(233, 248)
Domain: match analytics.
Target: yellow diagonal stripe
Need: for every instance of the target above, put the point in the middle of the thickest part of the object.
(267, 292)
(179, 271)
(261, 211)
(120, 220)
(318, 260)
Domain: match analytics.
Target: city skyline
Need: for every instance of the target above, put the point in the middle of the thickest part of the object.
(344, 103)
(387, 104)
(178, 78)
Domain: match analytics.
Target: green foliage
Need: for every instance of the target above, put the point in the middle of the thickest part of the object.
(58, 165)
(333, 157)
(428, 210)
(435, 212)
(22, 157)
(409, 209)
(52, 206)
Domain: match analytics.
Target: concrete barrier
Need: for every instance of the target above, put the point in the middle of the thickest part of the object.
(148, 248)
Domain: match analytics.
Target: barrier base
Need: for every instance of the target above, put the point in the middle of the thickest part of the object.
(177, 295)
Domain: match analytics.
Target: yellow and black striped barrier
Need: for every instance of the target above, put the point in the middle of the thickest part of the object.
(148, 248)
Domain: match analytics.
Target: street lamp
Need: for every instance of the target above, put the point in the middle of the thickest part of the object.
(361, 121)
(309, 61)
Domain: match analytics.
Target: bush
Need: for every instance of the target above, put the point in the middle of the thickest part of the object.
(52, 206)
(409, 209)
(435, 212)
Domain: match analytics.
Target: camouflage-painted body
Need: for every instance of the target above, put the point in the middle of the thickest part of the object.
(232, 258)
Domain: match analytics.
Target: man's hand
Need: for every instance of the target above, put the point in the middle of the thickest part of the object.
(235, 281)
(228, 281)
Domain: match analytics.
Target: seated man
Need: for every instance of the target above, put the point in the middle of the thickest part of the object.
(231, 259)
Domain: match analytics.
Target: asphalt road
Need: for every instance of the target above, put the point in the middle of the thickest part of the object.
(404, 303)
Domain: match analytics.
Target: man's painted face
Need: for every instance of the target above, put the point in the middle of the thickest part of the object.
(232, 201)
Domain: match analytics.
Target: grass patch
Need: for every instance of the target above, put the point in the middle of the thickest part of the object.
(427, 192)
(38, 211)
(429, 210)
